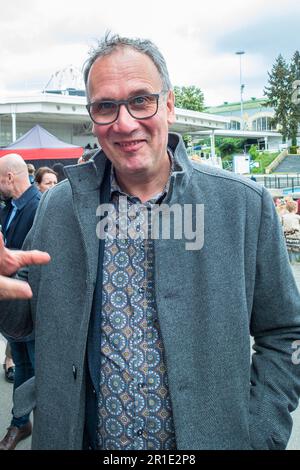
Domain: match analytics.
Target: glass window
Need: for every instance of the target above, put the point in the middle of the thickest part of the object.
(235, 125)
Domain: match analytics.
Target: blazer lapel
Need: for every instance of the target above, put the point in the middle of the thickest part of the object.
(85, 180)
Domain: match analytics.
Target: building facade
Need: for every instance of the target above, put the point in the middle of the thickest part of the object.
(63, 114)
(256, 115)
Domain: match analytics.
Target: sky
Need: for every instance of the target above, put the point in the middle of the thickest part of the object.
(198, 39)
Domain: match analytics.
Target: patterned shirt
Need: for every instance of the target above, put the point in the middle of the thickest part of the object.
(135, 410)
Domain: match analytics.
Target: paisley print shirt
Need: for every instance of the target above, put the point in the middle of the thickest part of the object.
(135, 411)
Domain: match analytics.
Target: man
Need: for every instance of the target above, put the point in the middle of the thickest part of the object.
(22, 200)
(154, 331)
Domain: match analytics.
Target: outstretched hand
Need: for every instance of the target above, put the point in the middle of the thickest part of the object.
(10, 262)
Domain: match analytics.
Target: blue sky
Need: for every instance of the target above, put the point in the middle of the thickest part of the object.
(198, 39)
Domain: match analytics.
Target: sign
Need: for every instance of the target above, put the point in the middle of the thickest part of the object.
(241, 164)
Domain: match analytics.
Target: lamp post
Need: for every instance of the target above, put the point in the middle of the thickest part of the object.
(242, 86)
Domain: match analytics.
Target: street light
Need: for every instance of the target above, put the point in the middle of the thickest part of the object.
(242, 86)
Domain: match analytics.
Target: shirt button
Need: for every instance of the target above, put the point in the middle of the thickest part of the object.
(140, 432)
(141, 290)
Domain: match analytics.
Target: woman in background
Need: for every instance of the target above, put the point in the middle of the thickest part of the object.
(45, 178)
(291, 228)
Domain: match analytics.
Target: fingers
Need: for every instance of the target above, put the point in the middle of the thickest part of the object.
(11, 261)
(26, 258)
(14, 289)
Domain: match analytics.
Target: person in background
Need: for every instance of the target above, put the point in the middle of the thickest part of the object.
(45, 178)
(59, 170)
(291, 228)
(8, 366)
(298, 206)
(280, 207)
(87, 154)
(31, 172)
(22, 199)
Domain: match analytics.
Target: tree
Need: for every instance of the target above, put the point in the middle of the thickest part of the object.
(228, 146)
(294, 113)
(189, 97)
(278, 95)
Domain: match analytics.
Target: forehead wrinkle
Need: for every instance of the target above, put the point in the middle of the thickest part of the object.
(121, 74)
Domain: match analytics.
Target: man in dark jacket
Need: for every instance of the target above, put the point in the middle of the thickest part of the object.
(17, 216)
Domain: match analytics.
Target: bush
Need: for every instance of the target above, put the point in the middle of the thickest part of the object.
(293, 149)
(253, 152)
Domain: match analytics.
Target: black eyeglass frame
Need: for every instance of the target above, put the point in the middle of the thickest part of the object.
(125, 103)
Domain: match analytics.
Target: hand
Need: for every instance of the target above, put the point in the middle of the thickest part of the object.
(10, 262)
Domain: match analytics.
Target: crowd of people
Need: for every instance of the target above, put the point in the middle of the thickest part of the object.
(21, 183)
(143, 343)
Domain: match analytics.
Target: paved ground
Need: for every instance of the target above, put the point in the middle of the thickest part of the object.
(6, 393)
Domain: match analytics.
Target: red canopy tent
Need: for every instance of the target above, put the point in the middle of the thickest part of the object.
(41, 148)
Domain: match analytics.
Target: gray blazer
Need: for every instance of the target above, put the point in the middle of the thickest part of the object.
(209, 302)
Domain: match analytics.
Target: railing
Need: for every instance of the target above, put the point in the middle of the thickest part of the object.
(282, 181)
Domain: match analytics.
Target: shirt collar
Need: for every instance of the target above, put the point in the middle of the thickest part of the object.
(21, 201)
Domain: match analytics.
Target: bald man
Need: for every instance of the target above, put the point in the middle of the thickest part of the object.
(21, 202)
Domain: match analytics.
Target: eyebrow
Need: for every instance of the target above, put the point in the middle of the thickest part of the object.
(141, 91)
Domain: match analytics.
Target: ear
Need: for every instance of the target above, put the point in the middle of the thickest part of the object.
(171, 108)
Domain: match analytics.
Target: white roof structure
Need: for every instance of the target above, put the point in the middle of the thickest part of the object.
(65, 108)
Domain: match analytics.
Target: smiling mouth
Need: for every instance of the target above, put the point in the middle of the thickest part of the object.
(130, 143)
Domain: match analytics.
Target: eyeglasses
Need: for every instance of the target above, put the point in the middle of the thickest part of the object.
(139, 107)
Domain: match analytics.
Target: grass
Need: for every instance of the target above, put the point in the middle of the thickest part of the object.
(264, 159)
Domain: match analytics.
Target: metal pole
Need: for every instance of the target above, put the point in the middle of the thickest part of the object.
(212, 144)
(13, 125)
(240, 53)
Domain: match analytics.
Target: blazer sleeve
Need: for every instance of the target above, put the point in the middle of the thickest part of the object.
(275, 327)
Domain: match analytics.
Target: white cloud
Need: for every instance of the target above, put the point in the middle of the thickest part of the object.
(198, 39)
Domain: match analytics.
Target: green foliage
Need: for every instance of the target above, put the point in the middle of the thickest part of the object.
(229, 145)
(189, 97)
(187, 139)
(227, 148)
(279, 93)
(293, 149)
(294, 107)
(265, 159)
(253, 152)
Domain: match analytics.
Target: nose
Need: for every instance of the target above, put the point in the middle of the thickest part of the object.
(125, 122)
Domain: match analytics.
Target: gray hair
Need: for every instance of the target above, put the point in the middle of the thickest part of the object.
(110, 43)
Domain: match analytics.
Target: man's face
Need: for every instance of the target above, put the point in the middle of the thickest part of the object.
(133, 146)
(5, 186)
